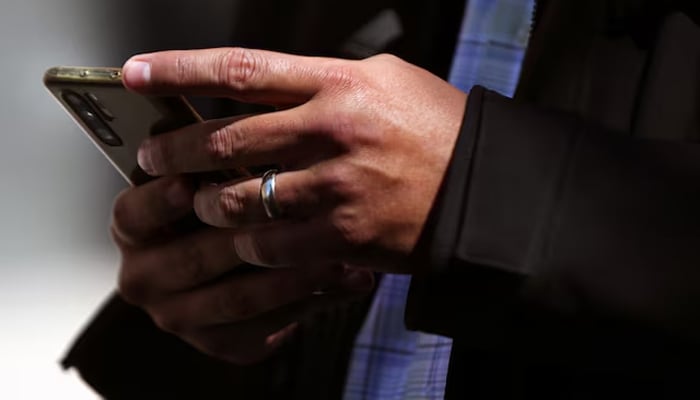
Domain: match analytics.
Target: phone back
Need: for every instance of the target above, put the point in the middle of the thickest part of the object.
(115, 119)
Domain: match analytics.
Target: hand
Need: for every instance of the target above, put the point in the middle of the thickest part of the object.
(187, 282)
(365, 145)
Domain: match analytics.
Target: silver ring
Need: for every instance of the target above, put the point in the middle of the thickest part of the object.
(267, 195)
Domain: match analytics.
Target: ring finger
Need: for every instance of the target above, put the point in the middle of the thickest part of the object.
(297, 195)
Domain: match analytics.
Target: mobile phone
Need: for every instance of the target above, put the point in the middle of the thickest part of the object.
(116, 119)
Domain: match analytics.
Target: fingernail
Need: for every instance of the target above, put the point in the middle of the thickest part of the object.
(278, 338)
(144, 157)
(358, 280)
(136, 73)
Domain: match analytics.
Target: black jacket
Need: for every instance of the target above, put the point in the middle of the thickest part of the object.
(565, 241)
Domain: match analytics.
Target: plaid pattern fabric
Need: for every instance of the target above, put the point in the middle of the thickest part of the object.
(388, 361)
(492, 44)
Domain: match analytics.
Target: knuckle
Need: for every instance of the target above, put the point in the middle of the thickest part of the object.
(384, 58)
(220, 145)
(338, 181)
(238, 68)
(351, 228)
(231, 203)
(343, 76)
(185, 69)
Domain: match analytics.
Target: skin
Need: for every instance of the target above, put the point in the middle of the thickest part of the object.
(364, 145)
(186, 281)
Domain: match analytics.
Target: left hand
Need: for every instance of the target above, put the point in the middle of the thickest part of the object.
(365, 145)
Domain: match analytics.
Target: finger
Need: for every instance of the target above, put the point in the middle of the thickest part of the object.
(242, 344)
(251, 341)
(276, 339)
(298, 194)
(143, 211)
(282, 137)
(244, 297)
(286, 243)
(246, 75)
(178, 265)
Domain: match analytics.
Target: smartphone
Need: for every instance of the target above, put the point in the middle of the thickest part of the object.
(116, 119)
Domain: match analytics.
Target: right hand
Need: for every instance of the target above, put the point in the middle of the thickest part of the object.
(184, 280)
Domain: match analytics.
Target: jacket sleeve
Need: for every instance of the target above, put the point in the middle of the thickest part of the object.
(123, 355)
(545, 221)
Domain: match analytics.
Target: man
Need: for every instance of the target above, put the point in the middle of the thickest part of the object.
(553, 238)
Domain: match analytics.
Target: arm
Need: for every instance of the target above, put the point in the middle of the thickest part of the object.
(543, 217)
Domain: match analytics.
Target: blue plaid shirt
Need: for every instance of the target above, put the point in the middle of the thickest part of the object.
(388, 361)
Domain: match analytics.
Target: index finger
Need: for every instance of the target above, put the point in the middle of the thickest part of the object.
(243, 74)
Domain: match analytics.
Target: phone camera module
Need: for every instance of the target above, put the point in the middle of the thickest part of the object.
(95, 101)
(91, 118)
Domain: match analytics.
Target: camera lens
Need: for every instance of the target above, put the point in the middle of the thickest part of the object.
(91, 119)
(89, 115)
(107, 136)
(95, 101)
(73, 100)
